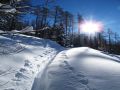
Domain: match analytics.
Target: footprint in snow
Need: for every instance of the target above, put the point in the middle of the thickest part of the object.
(68, 66)
(23, 70)
(84, 81)
(80, 77)
(19, 75)
(28, 64)
(41, 55)
(38, 66)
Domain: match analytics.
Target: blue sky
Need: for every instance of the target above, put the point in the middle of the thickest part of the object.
(106, 11)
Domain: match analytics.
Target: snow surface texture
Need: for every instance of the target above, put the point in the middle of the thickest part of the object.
(29, 63)
(7, 8)
(80, 69)
(21, 58)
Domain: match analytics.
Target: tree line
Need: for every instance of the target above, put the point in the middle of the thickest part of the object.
(52, 22)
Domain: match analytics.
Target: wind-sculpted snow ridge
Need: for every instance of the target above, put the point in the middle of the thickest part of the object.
(22, 58)
(80, 69)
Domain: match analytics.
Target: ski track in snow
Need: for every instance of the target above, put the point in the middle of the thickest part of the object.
(67, 77)
(34, 65)
(80, 69)
(38, 80)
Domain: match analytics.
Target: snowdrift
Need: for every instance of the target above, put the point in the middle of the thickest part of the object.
(81, 69)
(21, 58)
(30, 63)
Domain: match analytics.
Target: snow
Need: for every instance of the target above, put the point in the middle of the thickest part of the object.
(7, 8)
(13, 10)
(30, 63)
(80, 69)
(1, 31)
(27, 29)
(14, 31)
(21, 58)
(1, 4)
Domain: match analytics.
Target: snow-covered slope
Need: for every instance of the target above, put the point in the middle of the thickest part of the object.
(21, 58)
(80, 69)
(29, 63)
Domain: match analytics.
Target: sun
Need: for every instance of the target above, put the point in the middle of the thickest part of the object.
(91, 27)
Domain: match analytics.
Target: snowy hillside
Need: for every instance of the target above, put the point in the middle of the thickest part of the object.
(21, 58)
(30, 63)
(81, 69)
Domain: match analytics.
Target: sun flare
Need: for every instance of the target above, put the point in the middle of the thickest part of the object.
(91, 27)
